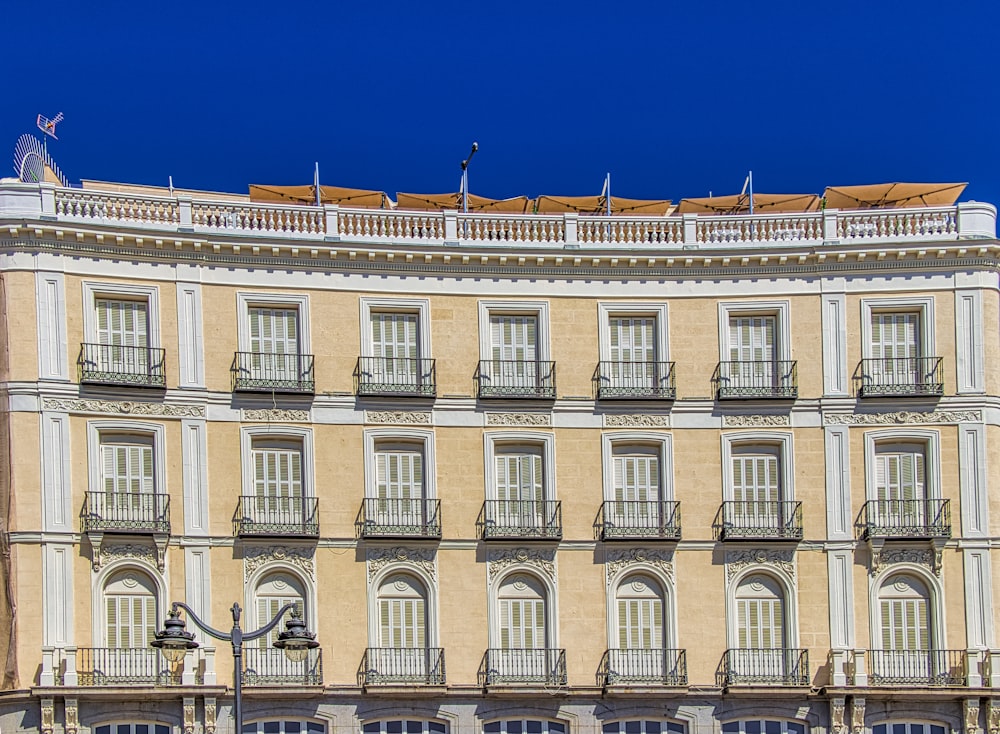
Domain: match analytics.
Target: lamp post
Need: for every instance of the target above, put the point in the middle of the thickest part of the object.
(173, 641)
(465, 179)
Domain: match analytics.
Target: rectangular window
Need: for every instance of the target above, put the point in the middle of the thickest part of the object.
(895, 335)
(278, 490)
(396, 347)
(904, 624)
(123, 336)
(522, 624)
(131, 620)
(399, 486)
(640, 624)
(760, 624)
(403, 623)
(752, 338)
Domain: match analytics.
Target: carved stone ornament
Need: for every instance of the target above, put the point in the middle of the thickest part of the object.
(737, 560)
(189, 715)
(882, 557)
(636, 420)
(107, 551)
(857, 716)
(421, 417)
(267, 415)
(971, 718)
(543, 560)
(72, 716)
(518, 419)
(903, 417)
(422, 558)
(255, 557)
(617, 560)
(755, 421)
(209, 715)
(837, 706)
(123, 407)
(993, 716)
(48, 715)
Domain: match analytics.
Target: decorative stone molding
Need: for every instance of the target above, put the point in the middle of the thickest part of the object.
(518, 419)
(268, 415)
(72, 708)
(636, 420)
(541, 560)
(755, 421)
(189, 715)
(617, 560)
(857, 716)
(737, 560)
(123, 407)
(422, 558)
(209, 715)
(48, 721)
(882, 557)
(255, 557)
(902, 417)
(837, 707)
(422, 417)
(154, 555)
(971, 717)
(993, 716)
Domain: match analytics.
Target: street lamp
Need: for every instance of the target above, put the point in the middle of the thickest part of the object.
(173, 641)
(465, 179)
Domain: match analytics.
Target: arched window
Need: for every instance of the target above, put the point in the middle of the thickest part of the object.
(522, 650)
(640, 613)
(763, 726)
(403, 726)
(762, 653)
(402, 606)
(640, 726)
(906, 625)
(272, 593)
(130, 610)
(524, 726)
(282, 727)
(908, 727)
(265, 664)
(132, 729)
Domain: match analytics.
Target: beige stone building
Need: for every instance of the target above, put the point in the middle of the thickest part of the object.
(522, 474)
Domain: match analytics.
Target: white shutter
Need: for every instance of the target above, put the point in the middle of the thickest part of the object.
(267, 607)
(895, 335)
(127, 468)
(755, 478)
(752, 338)
(640, 624)
(131, 620)
(900, 475)
(637, 478)
(760, 624)
(905, 624)
(122, 323)
(522, 624)
(277, 472)
(274, 330)
(514, 338)
(403, 623)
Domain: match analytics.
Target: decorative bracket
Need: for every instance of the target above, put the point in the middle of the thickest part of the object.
(857, 716)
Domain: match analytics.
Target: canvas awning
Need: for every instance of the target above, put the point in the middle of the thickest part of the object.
(740, 204)
(515, 205)
(892, 195)
(328, 195)
(599, 205)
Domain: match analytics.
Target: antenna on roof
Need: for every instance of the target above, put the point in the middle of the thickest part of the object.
(33, 164)
(48, 126)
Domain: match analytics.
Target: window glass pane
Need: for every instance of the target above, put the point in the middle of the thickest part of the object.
(916, 729)
(394, 727)
(534, 727)
(610, 728)
(652, 727)
(492, 728)
(555, 727)
(414, 727)
(794, 728)
(272, 727)
(436, 727)
(142, 729)
(731, 727)
(372, 728)
(313, 726)
(772, 727)
(249, 729)
(878, 729)
(633, 727)
(293, 727)
(937, 729)
(674, 727)
(103, 730)
(513, 727)
(752, 727)
(899, 729)
(124, 729)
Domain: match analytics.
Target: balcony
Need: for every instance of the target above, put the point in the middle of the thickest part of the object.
(520, 520)
(399, 518)
(287, 517)
(905, 520)
(756, 380)
(107, 364)
(635, 381)
(388, 666)
(766, 667)
(125, 512)
(106, 666)
(635, 520)
(758, 521)
(902, 377)
(660, 667)
(917, 667)
(543, 667)
(499, 378)
(395, 377)
(265, 372)
(269, 666)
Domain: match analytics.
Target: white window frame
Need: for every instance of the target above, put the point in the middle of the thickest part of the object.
(100, 581)
(931, 440)
(430, 602)
(770, 439)
(935, 604)
(259, 724)
(551, 605)
(248, 434)
(790, 614)
(781, 310)
(922, 305)
(539, 309)
(667, 726)
(641, 309)
(663, 442)
(97, 431)
(528, 439)
(419, 306)
(311, 612)
(425, 439)
(669, 631)
(245, 301)
(92, 291)
(423, 720)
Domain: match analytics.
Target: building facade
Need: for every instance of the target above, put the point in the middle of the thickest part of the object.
(522, 474)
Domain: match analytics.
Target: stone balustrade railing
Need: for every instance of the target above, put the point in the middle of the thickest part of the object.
(186, 214)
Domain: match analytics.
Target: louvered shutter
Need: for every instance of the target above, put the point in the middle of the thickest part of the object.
(895, 335)
(624, 624)
(506, 624)
(395, 343)
(267, 608)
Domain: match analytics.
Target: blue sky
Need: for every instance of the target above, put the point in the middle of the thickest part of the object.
(674, 99)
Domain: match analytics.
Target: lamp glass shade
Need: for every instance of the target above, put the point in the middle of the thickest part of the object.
(174, 653)
(295, 652)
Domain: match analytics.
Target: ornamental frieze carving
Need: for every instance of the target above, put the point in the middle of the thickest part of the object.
(902, 417)
(882, 557)
(617, 560)
(636, 420)
(421, 417)
(123, 407)
(539, 559)
(255, 557)
(276, 416)
(107, 551)
(518, 419)
(755, 421)
(737, 560)
(422, 558)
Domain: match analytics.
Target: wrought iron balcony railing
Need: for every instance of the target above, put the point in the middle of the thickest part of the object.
(107, 666)
(758, 521)
(399, 518)
(771, 667)
(905, 519)
(125, 512)
(499, 378)
(631, 520)
(546, 667)
(899, 377)
(276, 516)
(395, 377)
(109, 364)
(387, 666)
(660, 667)
(266, 372)
(635, 381)
(917, 667)
(520, 519)
(760, 380)
(269, 666)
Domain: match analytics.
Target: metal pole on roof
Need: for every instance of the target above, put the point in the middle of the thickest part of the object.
(750, 179)
(465, 179)
(607, 192)
(316, 185)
